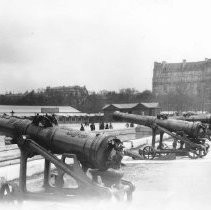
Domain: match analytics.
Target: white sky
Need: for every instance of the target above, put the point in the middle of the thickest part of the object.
(109, 44)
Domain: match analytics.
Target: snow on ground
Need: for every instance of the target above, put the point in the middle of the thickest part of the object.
(11, 172)
(174, 185)
(116, 126)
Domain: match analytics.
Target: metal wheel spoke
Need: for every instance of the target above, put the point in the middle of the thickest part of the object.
(148, 152)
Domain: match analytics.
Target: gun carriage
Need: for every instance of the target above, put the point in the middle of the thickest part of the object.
(189, 138)
(95, 160)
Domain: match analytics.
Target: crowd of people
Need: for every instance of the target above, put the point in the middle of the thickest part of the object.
(102, 126)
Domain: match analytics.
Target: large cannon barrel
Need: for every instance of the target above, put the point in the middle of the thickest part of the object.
(204, 118)
(192, 129)
(92, 150)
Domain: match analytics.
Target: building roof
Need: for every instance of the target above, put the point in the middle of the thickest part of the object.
(182, 66)
(34, 109)
(151, 105)
(132, 105)
(122, 106)
(60, 114)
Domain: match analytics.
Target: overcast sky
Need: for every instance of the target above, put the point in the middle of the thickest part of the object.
(109, 44)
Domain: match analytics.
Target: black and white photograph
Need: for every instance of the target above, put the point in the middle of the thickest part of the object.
(105, 104)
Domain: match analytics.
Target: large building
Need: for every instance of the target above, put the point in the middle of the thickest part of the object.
(191, 78)
(65, 90)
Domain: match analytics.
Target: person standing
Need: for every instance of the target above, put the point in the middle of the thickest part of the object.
(110, 126)
(12, 113)
(102, 126)
(82, 127)
(92, 127)
(106, 127)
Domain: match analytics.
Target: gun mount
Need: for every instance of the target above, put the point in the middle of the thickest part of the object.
(100, 154)
(190, 135)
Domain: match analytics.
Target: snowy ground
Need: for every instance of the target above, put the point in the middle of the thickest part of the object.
(178, 184)
(116, 126)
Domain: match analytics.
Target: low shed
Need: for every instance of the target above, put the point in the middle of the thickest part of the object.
(151, 109)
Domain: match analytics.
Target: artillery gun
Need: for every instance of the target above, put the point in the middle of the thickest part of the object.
(94, 160)
(203, 118)
(192, 136)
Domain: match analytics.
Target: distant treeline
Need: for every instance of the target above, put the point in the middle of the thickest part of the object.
(77, 97)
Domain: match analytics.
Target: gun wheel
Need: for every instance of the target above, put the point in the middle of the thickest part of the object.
(148, 153)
